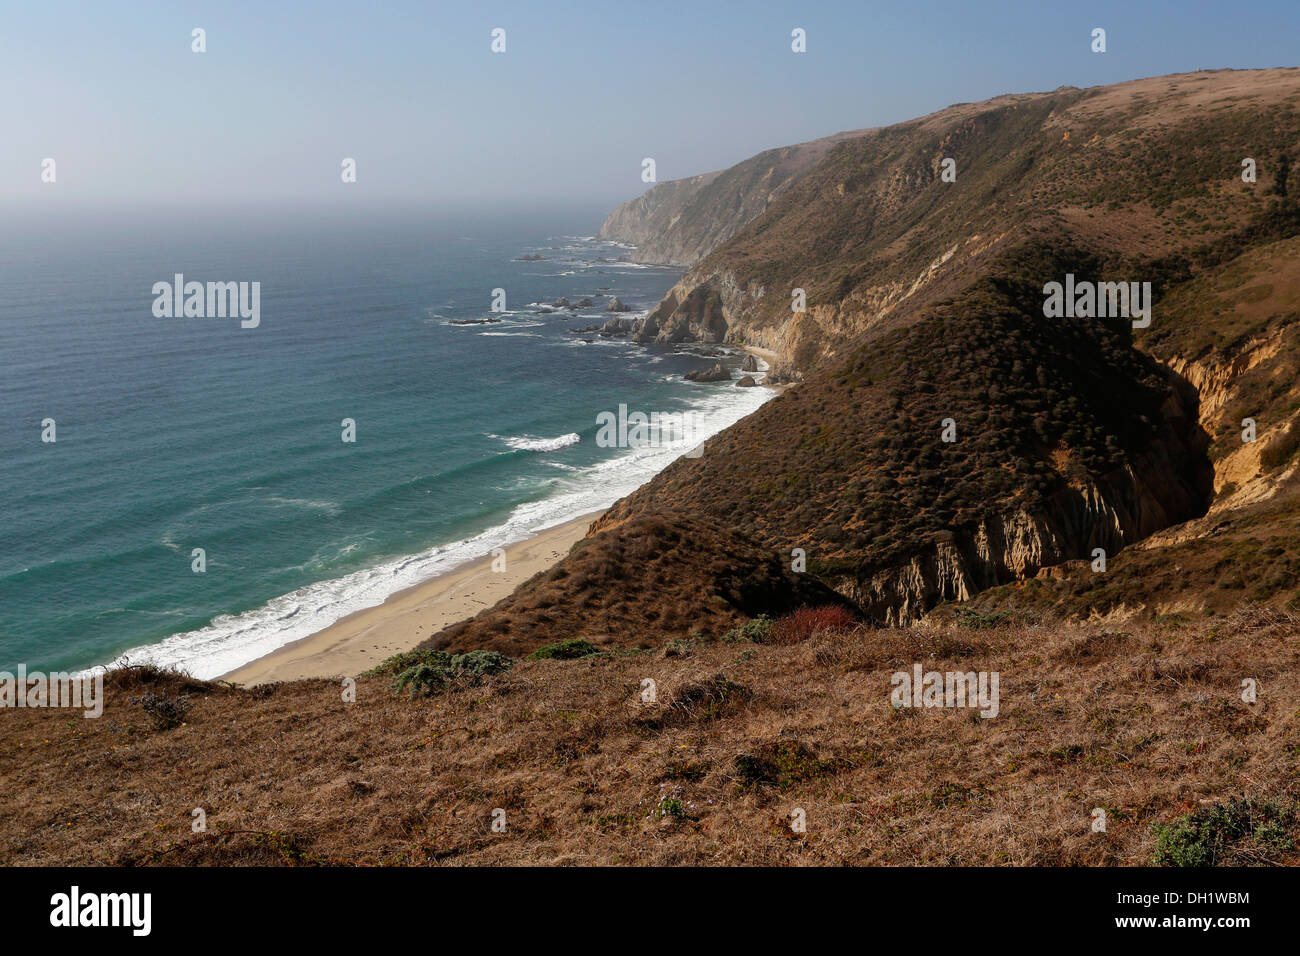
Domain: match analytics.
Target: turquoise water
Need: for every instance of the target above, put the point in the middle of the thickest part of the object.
(183, 433)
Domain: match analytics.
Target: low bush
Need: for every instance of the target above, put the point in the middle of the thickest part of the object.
(755, 629)
(802, 624)
(1242, 830)
(427, 672)
(165, 712)
(782, 764)
(564, 650)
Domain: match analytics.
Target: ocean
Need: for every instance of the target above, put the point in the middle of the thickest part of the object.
(184, 433)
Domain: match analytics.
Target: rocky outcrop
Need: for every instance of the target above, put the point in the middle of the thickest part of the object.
(1122, 509)
(746, 381)
(616, 305)
(718, 373)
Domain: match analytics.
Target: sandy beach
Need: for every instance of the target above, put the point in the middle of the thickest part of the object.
(361, 640)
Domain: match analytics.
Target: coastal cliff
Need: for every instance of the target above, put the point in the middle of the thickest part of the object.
(875, 230)
(945, 442)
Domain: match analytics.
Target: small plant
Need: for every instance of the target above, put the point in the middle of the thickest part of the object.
(970, 618)
(708, 698)
(679, 647)
(405, 660)
(697, 702)
(755, 629)
(165, 712)
(480, 664)
(564, 650)
(782, 764)
(672, 805)
(422, 679)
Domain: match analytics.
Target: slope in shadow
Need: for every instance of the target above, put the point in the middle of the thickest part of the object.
(656, 577)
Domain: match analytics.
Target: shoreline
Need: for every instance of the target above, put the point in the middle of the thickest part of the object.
(366, 637)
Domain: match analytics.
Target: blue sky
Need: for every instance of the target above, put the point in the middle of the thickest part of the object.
(584, 91)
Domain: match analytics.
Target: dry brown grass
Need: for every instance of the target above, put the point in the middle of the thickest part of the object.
(1149, 725)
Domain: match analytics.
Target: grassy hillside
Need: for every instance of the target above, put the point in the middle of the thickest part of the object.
(1147, 724)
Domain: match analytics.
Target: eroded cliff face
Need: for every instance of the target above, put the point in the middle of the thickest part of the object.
(1231, 339)
(719, 306)
(1123, 508)
(873, 230)
(1245, 473)
(1216, 381)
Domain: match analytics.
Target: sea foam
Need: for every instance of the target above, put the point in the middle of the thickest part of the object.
(233, 640)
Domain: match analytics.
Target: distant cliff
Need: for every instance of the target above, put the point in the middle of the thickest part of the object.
(873, 232)
(678, 222)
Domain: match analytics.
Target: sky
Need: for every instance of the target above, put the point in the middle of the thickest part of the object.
(582, 94)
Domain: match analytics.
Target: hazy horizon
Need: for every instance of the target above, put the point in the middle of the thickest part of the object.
(580, 96)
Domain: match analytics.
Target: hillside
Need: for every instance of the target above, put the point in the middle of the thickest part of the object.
(1146, 724)
(926, 304)
(693, 577)
(925, 307)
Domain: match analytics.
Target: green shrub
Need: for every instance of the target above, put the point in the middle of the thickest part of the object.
(1254, 828)
(756, 629)
(782, 764)
(481, 663)
(407, 660)
(968, 617)
(422, 679)
(434, 670)
(564, 650)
